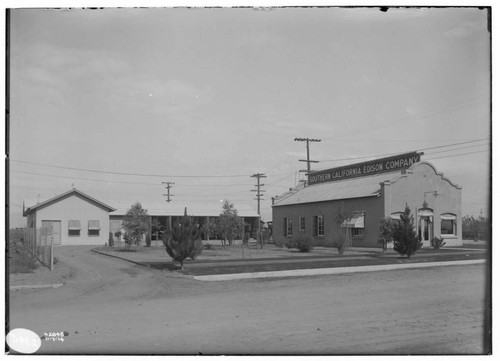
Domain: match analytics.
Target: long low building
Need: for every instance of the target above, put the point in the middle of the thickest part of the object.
(75, 218)
(368, 192)
(165, 214)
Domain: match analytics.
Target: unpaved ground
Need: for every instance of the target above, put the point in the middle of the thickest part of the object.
(110, 306)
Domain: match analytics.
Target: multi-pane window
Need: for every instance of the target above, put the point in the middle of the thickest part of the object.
(287, 226)
(302, 224)
(318, 226)
(74, 227)
(448, 224)
(358, 232)
(94, 228)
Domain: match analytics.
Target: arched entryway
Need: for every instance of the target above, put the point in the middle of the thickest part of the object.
(425, 221)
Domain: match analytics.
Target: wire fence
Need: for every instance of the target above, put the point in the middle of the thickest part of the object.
(39, 242)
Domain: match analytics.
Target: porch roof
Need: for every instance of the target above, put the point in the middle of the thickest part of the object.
(193, 209)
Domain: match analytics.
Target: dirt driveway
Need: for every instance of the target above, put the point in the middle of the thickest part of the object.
(110, 306)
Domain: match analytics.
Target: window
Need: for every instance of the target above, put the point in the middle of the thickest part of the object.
(356, 223)
(358, 232)
(318, 226)
(448, 224)
(94, 228)
(74, 228)
(302, 224)
(287, 226)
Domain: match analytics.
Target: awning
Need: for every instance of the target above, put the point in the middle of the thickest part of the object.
(74, 225)
(450, 217)
(357, 221)
(94, 225)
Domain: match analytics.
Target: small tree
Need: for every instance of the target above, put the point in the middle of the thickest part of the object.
(135, 225)
(183, 240)
(229, 226)
(341, 218)
(406, 240)
(385, 232)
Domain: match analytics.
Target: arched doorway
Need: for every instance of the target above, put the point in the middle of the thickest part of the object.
(425, 225)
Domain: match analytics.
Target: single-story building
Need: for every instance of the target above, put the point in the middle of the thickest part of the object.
(164, 214)
(368, 192)
(72, 218)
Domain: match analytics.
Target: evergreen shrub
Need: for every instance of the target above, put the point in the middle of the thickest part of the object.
(437, 242)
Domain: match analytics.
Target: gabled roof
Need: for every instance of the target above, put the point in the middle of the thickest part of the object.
(330, 191)
(176, 208)
(70, 193)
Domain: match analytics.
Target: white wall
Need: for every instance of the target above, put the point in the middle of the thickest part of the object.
(76, 208)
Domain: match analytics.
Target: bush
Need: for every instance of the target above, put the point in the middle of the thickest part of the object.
(437, 242)
(111, 240)
(279, 242)
(148, 239)
(290, 243)
(341, 243)
(406, 240)
(303, 244)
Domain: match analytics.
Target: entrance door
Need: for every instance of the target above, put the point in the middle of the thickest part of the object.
(425, 230)
(52, 230)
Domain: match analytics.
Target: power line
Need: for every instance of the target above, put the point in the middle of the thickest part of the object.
(395, 153)
(133, 174)
(456, 155)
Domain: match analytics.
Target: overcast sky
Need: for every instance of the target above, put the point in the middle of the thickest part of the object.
(207, 97)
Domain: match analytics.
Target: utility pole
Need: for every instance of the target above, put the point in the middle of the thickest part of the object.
(258, 198)
(167, 187)
(309, 161)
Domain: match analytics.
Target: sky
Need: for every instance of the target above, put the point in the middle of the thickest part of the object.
(116, 101)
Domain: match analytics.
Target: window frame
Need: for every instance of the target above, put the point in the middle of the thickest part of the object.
(318, 229)
(453, 224)
(74, 232)
(302, 224)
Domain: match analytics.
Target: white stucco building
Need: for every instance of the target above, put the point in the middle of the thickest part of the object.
(74, 218)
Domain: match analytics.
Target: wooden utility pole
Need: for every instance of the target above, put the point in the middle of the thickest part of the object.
(258, 198)
(168, 186)
(308, 160)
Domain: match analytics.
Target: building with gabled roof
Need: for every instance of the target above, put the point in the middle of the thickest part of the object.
(368, 192)
(71, 218)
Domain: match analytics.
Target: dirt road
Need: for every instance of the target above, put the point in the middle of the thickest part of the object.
(112, 307)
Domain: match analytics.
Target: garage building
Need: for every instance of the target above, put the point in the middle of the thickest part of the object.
(368, 192)
(71, 218)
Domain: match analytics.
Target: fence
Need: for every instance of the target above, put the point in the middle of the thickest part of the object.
(40, 244)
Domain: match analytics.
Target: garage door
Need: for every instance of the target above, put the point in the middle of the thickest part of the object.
(52, 231)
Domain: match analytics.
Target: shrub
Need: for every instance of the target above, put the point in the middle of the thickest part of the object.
(385, 231)
(437, 242)
(279, 242)
(111, 240)
(406, 240)
(303, 244)
(340, 244)
(148, 239)
(183, 239)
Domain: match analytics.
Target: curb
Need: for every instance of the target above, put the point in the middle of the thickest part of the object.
(22, 287)
(118, 257)
(329, 271)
